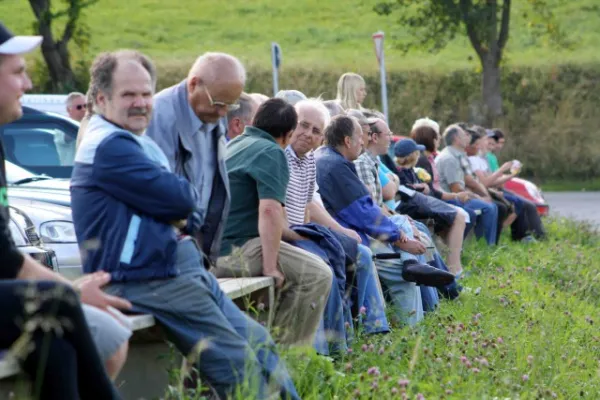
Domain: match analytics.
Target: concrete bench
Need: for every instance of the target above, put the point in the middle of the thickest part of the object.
(234, 288)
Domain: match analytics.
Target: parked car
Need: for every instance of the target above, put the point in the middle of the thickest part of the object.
(56, 103)
(46, 202)
(27, 239)
(41, 142)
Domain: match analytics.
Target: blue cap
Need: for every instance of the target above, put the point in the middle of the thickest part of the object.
(406, 147)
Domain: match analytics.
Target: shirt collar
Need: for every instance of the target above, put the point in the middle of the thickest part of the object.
(255, 132)
(456, 152)
(194, 122)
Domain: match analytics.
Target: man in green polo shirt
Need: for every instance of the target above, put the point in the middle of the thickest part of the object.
(495, 143)
(254, 242)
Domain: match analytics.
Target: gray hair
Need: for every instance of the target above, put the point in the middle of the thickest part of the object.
(428, 123)
(72, 96)
(291, 96)
(450, 134)
(333, 107)
(340, 127)
(244, 111)
(318, 105)
(103, 68)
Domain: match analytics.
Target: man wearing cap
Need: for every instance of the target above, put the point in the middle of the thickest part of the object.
(73, 368)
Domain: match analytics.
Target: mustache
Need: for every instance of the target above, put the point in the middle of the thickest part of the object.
(137, 112)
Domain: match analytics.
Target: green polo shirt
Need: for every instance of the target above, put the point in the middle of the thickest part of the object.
(492, 161)
(257, 170)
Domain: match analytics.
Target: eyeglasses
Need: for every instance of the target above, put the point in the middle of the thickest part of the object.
(220, 104)
(80, 106)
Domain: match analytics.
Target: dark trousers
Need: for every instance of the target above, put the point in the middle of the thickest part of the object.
(61, 366)
(528, 220)
(502, 215)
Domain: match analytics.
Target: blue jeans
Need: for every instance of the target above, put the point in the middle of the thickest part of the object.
(472, 216)
(193, 310)
(367, 293)
(487, 222)
(429, 295)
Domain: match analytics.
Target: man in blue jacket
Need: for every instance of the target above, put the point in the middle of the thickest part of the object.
(349, 201)
(124, 206)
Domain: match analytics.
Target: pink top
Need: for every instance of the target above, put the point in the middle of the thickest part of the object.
(436, 177)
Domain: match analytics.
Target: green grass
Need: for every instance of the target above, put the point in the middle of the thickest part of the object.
(313, 33)
(527, 321)
(571, 185)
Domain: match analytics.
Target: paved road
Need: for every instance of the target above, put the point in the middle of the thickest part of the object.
(584, 206)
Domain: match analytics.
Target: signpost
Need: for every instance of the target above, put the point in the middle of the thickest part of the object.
(276, 63)
(378, 41)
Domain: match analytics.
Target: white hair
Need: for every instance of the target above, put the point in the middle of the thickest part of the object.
(318, 105)
(428, 123)
(291, 96)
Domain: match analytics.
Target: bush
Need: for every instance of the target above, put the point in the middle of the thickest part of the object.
(550, 114)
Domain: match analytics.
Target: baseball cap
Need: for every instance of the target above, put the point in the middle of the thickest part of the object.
(10, 44)
(406, 147)
(291, 96)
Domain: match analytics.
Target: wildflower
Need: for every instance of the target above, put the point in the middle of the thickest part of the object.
(261, 306)
(528, 269)
(350, 351)
(420, 396)
(362, 310)
(484, 362)
(525, 378)
(394, 391)
(449, 392)
(373, 371)
(499, 340)
(517, 292)
(371, 347)
(476, 370)
(348, 366)
(463, 359)
(374, 386)
(364, 348)
(529, 359)
(381, 351)
(403, 382)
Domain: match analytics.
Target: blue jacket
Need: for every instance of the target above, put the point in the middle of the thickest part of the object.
(348, 200)
(175, 128)
(122, 204)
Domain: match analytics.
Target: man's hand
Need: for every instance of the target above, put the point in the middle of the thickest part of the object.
(92, 294)
(402, 239)
(277, 275)
(506, 166)
(351, 233)
(463, 197)
(423, 186)
(412, 246)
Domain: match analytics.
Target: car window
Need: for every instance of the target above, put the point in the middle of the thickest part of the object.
(42, 147)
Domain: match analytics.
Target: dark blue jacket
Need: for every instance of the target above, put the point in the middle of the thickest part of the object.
(347, 199)
(123, 204)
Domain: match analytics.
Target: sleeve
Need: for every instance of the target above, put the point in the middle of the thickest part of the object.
(163, 132)
(450, 171)
(366, 177)
(122, 169)
(383, 178)
(317, 196)
(271, 172)
(352, 205)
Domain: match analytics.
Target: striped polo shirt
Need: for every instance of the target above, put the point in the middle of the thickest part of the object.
(303, 176)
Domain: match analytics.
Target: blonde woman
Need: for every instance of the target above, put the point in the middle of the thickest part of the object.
(449, 222)
(351, 91)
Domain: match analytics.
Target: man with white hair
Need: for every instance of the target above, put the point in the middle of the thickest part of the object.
(291, 96)
(189, 125)
(304, 205)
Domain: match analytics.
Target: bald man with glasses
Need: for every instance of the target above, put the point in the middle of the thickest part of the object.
(189, 123)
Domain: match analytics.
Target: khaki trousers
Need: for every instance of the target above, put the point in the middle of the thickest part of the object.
(299, 304)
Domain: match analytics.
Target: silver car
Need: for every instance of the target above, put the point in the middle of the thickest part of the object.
(46, 202)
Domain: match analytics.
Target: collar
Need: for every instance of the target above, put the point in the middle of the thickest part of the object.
(258, 133)
(456, 152)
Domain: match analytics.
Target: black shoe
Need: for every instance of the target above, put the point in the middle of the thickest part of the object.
(426, 275)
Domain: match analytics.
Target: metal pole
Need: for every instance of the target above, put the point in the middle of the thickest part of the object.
(275, 65)
(378, 38)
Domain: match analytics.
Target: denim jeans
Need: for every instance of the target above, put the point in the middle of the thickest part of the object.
(195, 313)
(487, 222)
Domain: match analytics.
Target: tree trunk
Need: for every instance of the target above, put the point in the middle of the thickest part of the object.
(490, 89)
(56, 56)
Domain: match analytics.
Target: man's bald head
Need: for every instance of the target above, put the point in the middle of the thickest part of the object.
(215, 83)
(215, 67)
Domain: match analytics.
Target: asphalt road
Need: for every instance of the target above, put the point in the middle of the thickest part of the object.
(583, 206)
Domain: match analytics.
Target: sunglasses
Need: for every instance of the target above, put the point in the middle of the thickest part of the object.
(220, 104)
(80, 107)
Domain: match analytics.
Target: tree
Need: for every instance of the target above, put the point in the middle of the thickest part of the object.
(56, 51)
(434, 23)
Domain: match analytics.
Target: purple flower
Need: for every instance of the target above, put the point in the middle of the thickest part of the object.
(364, 348)
(350, 351)
(499, 340)
(484, 362)
(475, 370)
(261, 306)
(381, 351)
(525, 378)
(394, 391)
(403, 382)
(420, 396)
(373, 371)
(463, 359)
(371, 347)
(362, 310)
(529, 359)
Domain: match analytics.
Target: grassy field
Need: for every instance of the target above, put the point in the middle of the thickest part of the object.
(525, 328)
(313, 33)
